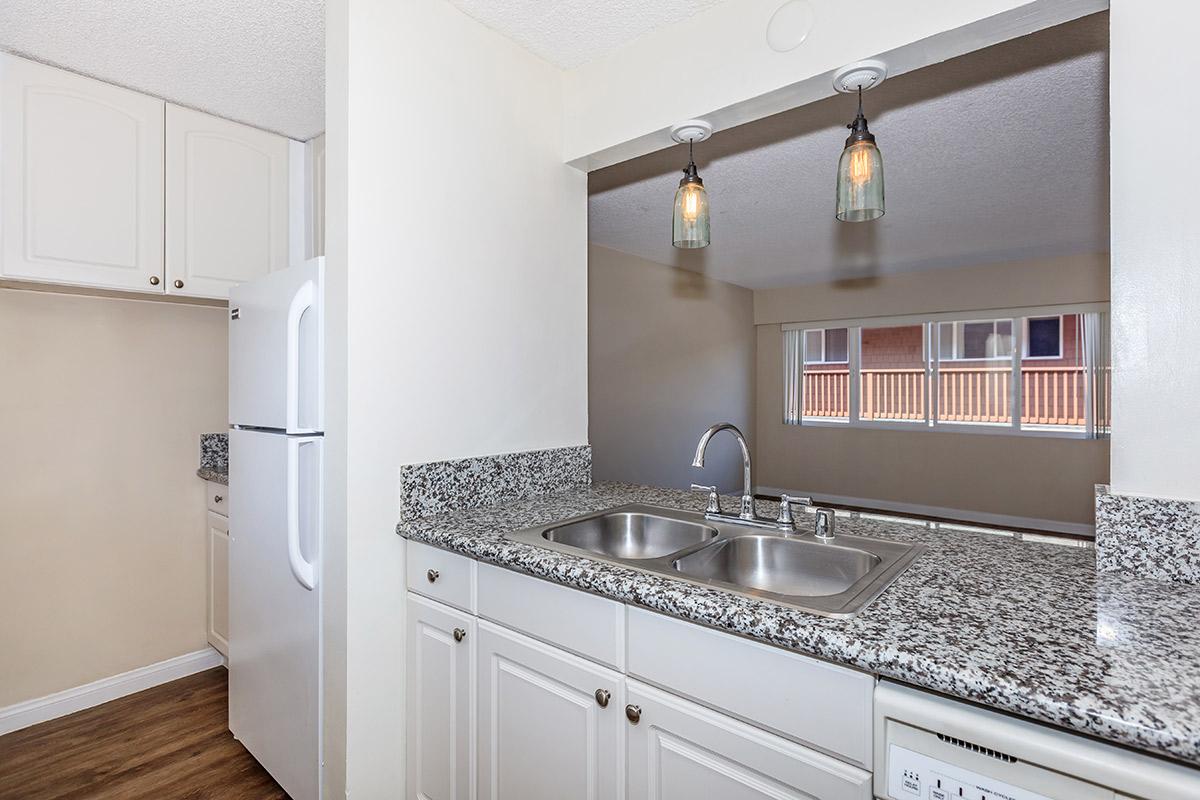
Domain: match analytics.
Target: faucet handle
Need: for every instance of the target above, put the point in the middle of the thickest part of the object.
(714, 499)
(786, 501)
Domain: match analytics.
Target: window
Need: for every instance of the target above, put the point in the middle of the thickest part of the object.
(1045, 372)
(817, 375)
(892, 377)
(975, 340)
(827, 346)
(974, 372)
(1044, 337)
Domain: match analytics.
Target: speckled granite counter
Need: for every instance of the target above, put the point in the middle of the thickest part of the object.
(214, 457)
(1025, 627)
(216, 476)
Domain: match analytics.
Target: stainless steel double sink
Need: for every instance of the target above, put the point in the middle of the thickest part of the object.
(835, 578)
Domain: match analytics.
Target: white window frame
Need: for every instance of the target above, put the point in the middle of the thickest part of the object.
(804, 344)
(931, 346)
(1025, 337)
(959, 336)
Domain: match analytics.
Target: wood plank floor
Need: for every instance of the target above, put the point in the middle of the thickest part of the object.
(168, 742)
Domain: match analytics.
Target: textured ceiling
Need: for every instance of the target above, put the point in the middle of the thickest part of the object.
(1000, 154)
(573, 32)
(261, 62)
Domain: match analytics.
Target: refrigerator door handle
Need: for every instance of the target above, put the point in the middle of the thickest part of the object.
(303, 571)
(303, 300)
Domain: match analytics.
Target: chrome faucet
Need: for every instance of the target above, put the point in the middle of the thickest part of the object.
(747, 511)
(746, 515)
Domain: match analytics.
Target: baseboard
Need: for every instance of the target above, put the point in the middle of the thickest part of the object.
(68, 701)
(977, 517)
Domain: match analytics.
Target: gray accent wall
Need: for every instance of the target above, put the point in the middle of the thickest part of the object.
(670, 352)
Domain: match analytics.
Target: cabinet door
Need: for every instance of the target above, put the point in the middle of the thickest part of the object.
(678, 750)
(218, 582)
(550, 723)
(441, 671)
(81, 190)
(227, 203)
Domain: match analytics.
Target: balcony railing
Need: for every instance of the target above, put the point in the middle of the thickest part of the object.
(1051, 396)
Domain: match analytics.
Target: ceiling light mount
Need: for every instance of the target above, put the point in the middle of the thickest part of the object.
(694, 130)
(867, 74)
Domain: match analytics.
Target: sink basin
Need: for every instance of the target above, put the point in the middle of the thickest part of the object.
(834, 579)
(780, 566)
(631, 535)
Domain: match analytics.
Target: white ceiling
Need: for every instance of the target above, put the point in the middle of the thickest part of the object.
(261, 62)
(573, 32)
(1001, 154)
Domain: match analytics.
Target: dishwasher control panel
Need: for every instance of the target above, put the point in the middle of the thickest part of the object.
(915, 776)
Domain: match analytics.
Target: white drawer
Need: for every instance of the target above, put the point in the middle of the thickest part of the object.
(821, 705)
(218, 498)
(590, 626)
(441, 575)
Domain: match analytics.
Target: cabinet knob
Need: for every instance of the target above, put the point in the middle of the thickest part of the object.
(218, 499)
(602, 696)
(633, 713)
(432, 575)
(154, 281)
(459, 634)
(178, 283)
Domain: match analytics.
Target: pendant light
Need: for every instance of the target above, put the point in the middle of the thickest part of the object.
(860, 169)
(689, 225)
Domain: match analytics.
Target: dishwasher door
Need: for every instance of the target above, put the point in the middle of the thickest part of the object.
(929, 747)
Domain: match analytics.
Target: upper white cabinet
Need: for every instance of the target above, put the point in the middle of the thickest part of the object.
(227, 203)
(81, 180)
(105, 187)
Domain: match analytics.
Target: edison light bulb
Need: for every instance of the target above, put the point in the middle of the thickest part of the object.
(860, 183)
(690, 225)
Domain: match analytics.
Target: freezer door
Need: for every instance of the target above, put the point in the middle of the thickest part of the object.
(274, 608)
(276, 363)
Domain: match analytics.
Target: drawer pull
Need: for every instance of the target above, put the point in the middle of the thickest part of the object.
(633, 713)
(432, 575)
(218, 499)
(602, 696)
(459, 634)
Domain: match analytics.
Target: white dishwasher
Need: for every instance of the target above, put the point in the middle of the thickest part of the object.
(929, 747)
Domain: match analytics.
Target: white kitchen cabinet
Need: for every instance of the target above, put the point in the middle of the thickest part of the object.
(218, 582)
(678, 750)
(81, 180)
(550, 724)
(226, 203)
(441, 708)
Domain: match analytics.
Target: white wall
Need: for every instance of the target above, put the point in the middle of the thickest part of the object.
(457, 257)
(1155, 251)
(670, 352)
(717, 64)
(102, 517)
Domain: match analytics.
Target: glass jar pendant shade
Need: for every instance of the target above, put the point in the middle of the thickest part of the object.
(689, 229)
(860, 174)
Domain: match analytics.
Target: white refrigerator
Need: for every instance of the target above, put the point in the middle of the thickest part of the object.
(276, 421)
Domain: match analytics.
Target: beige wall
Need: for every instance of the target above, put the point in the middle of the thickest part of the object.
(1040, 478)
(670, 352)
(1074, 279)
(102, 535)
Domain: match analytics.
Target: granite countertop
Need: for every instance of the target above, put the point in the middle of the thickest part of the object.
(214, 475)
(1025, 627)
(214, 457)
